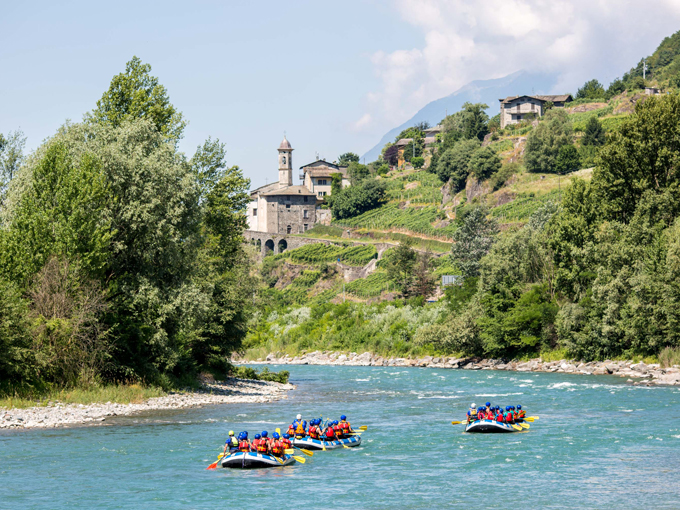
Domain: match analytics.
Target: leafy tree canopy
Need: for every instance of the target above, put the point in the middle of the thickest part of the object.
(454, 164)
(484, 163)
(544, 142)
(347, 158)
(135, 94)
(591, 89)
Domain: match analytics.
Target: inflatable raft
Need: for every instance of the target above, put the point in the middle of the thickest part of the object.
(250, 460)
(489, 426)
(317, 444)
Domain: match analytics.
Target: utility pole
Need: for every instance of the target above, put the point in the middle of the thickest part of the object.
(644, 68)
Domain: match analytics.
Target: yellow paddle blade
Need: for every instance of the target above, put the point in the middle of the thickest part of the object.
(289, 451)
(220, 456)
(525, 425)
(306, 452)
(516, 427)
(532, 417)
(323, 447)
(301, 460)
(278, 431)
(456, 422)
(363, 427)
(280, 460)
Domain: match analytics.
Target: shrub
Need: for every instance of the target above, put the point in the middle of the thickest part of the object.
(484, 163)
(544, 143)
(454, 163)
(418, 162)
(355, 200)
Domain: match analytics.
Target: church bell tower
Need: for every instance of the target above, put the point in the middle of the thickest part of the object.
(285, 164)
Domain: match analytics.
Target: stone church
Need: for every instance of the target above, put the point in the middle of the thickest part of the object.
(280, 207)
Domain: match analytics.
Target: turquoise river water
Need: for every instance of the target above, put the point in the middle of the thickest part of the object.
(599, 443)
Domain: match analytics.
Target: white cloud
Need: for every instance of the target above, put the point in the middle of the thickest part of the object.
(465, 40)
(363, 122)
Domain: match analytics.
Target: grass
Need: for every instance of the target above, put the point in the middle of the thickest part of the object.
(523, 206)
(118, 393)
(322, 231)
(669, 356)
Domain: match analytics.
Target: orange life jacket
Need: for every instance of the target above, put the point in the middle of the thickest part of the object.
(344, 426)
(291, 430)
(522, 414)
(300, 430)
(243, 446)
(314, 432)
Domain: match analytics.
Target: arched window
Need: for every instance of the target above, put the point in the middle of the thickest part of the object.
(289, 229)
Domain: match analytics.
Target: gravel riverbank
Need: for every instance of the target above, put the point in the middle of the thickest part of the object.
(230, 391)
(636, 373)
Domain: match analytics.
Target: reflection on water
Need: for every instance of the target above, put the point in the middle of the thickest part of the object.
(599, 443)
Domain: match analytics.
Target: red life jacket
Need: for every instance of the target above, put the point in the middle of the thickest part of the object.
(262, 446)
(243, 446)
(522, 414)
(329, 433)
(344, 426)
(277, 448)
(286, 443)
(314, 432)
(499, 417)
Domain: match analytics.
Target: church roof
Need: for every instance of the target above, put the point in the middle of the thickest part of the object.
(285, 144)
(324, 164)
(290, 190)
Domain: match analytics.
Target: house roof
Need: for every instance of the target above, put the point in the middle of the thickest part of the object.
(433, 130)
(403, 141)
(557, 98)
(322, 163)
(265, 188)
(290, 190)
(326, 172)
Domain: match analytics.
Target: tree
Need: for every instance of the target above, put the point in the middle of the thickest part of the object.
(418, 162)
(355, 200)
(453, 165)
(644, 154)
(484, 163)
(209, 164)
(474, 121)
(594, 133)
(567, 160)
(135, 94)
(391, 154)
(336, 183)
(357, 173)
(592, 89)
(544, 142)
(347, 158)
(11, 158)
(400, 266)
(423, 282)
(473, 240)
(615, 88)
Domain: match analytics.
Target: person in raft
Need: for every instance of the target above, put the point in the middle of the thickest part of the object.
(287, 443)
(314, 430)
(345, 426)
(472, 413)
(243, 443)
(298, 428)
(230, 444)
(276, 445)
(521, 414)
(329, 434)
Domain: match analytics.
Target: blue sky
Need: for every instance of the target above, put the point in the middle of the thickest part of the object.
(334, 75)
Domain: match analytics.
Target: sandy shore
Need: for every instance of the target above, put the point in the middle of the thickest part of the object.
(636, 373)
(231, 391)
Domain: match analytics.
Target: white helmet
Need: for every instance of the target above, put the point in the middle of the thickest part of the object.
(472, 405)
(298, 417)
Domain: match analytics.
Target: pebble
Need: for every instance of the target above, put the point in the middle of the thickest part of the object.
(230, 391)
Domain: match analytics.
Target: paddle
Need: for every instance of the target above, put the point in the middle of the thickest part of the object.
(516, 427)
(457, 422)
(524, 425)
(301, 460)
(306, 452)
(214, 464)
(363, 427)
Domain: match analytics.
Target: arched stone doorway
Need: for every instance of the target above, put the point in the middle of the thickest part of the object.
(283, 245)
(268, 247)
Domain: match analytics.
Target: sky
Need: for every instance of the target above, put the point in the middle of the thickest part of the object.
(334, 76)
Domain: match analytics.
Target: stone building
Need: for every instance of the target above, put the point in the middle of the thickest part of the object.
(280, 207)
(514, 109)
(316, 177)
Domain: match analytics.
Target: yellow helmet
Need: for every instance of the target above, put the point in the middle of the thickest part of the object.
(231, 432)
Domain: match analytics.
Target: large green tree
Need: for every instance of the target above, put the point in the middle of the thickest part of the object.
(454, 164)
(135, 94)
(544, 142)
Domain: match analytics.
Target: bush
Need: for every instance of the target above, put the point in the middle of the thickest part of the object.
(355, 200)
(453, 165)
(484, 163)
(264, 375)
(567, 160)
(669, 357)
(501, 177)
(418, 162)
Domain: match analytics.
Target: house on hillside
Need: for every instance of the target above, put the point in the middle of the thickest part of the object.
(316, 177)
(401, 145)
(280, 207)
(514, 109)
(431, 135)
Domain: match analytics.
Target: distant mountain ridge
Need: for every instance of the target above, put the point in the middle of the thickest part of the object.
(478, 91)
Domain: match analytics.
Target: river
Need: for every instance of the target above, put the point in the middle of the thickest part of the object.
(599, 443)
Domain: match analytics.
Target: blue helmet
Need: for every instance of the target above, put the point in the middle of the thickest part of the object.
(286, 436)
(343, 417)
(507, 408)
(257, 436)
(488, 404)
(245, 434)
(519, 406)
(264, 433)
(275, 435)
(512, 407)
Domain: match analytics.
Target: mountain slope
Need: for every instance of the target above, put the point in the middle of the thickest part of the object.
(478, 91)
